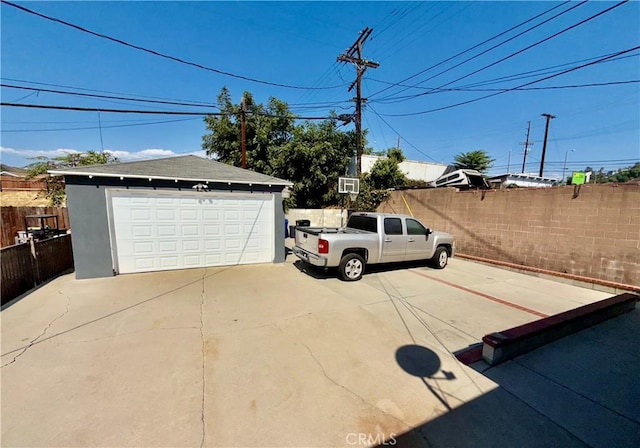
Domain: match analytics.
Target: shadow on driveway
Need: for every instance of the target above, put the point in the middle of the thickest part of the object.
(324, 274)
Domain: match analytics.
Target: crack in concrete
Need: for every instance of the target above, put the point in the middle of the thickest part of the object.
(324, 372)
(44, 332)
(202, 405)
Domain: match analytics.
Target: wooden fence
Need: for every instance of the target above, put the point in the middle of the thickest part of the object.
(8, 183)
(12, 220)
(24, 268)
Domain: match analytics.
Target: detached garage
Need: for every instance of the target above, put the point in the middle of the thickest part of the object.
(175, 213)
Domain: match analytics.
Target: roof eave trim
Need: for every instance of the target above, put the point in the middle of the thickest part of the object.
(185, 179)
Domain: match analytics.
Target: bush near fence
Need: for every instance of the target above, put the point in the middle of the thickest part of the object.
(12, 220)
(24, 267)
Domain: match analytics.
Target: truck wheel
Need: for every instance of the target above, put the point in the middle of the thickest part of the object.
(351, 267)
(440, 258)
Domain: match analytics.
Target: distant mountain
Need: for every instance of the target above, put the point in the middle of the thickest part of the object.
(13, 170)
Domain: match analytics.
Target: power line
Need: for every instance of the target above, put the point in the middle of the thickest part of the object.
(162, 55)
(514, 88)
(99, 91)
(99, 127)
(318, 105)
(535, 44)
(398, 134)
(152, 112)
(513, 77)
(471, 48)
(568, 86)
(94, 95)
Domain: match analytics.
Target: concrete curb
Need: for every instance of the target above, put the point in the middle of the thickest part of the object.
(504, 345)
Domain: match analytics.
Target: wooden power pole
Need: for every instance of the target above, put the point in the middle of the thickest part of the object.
(354, 55)
(243, 131)
(526, 147)
(544, 145)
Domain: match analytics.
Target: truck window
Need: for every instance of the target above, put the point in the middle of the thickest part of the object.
(366, 223)
(393, 226)
(415, 228)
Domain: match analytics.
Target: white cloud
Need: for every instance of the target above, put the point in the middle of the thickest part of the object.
(28, 153)
(141, 155)
(123, 156)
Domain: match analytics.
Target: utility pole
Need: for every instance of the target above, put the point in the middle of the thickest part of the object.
(509, 163)
(354, 55)
(243, 131)
(526, 147)
(544, 145)
(398, 146)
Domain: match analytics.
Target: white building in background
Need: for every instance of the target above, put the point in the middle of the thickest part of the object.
(521, 180)
(412, 169)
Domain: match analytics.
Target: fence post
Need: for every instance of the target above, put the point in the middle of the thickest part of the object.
(34, 262)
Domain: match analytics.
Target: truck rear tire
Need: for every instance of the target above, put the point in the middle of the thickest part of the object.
(351, 267)
(440, 258)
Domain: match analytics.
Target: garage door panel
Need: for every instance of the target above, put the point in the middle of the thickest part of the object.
(157, 231)
(141, 231)
(212, 230)
(164, 214)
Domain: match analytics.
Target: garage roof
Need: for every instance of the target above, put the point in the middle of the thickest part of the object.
(184, 168)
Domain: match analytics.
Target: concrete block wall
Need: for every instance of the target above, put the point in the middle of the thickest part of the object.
(595, 234)
(328, 217)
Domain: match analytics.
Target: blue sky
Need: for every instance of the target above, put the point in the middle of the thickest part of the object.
(296, 43)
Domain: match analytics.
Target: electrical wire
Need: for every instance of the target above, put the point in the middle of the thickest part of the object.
(514, 88)
(154, 112)
(100, 127)
(507, 89)
(162, 55)
(471, 48)
(401, 137)
(98, 91)
(535, 44)
(94, 95)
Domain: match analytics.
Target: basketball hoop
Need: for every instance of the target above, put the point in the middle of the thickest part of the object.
(353, 196)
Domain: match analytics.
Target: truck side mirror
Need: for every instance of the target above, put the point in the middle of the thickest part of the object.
(428, 232)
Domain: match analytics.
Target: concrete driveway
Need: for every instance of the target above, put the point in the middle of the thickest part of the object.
(261, 355)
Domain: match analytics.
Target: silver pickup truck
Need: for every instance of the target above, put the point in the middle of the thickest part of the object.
(371, 238)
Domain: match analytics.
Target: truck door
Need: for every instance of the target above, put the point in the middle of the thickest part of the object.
(419, 244)
(394, 240)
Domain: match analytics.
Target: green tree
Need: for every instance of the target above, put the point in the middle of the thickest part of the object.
(268, 128)
(313, 159)
(54, 185)
(312, 155)
(626, 174)
(385, 173)
(474, 160)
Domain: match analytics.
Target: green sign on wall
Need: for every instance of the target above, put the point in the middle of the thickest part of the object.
(578, 178)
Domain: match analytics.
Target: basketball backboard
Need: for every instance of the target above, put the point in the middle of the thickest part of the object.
(348, 185)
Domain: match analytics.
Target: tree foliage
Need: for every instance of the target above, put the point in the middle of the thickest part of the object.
(53, 185)
(622, 175)
(385, 173)
(474, 160)
(311, 155)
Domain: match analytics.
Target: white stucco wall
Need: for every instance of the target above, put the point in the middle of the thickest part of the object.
(414, 170)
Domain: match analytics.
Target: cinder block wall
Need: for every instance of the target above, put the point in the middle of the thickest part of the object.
(596, 234)
(328, 217)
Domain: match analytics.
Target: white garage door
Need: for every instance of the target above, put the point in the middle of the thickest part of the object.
(155, 231)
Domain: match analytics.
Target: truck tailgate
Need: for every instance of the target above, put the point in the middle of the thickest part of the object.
(307, 240)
